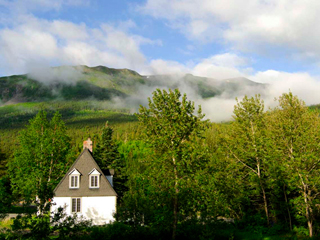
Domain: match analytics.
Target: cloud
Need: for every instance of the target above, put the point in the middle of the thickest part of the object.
(38, 41)
(255, 26)
(222, 66)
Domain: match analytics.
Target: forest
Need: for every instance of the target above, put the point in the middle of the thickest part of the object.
(177, 175)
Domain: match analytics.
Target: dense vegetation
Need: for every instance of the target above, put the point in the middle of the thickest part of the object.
(184, 178)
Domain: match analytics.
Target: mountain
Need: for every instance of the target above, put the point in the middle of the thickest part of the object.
(88, 97)
(103, 83)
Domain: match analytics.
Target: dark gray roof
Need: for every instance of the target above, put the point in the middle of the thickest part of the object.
(84, 164)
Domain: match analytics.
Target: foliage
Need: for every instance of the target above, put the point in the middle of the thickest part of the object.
(41, 159)
(5, 197)
(297, 136)
(171, 128)
(44, 226)
(246, 144)
(107, 157)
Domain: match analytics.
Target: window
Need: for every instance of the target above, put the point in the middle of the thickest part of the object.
(94, 177)
(74, 179)
(75, 205)
(94, 181)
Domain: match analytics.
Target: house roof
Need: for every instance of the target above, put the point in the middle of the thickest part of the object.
(84, 164)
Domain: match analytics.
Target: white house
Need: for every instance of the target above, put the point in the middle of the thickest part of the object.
(86, 191)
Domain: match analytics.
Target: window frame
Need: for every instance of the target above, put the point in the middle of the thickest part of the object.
(97, 178)
(94, 174)
(77, 206)
(74, 174)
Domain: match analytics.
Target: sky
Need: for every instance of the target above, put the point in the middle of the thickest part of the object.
(269, 41)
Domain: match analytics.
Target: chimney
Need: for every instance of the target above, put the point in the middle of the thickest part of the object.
(88, 144)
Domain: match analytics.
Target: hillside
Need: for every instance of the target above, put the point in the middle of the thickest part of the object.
(102, 83)
(87, 97)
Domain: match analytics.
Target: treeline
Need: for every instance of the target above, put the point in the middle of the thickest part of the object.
(180, 177)
(261, 170)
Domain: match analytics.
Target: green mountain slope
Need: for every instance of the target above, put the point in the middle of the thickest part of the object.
(103, 83)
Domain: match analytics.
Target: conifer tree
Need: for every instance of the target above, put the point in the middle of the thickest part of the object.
(107, 157)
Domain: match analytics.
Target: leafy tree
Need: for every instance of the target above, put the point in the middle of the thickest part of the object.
(246, 143)
(296, 133)
(171, 129)
(40, 160)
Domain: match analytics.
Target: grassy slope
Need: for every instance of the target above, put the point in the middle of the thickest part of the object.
(83, 119)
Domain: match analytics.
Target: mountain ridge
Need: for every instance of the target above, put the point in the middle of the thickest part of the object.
(103, 83)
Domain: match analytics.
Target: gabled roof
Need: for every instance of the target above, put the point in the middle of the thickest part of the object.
(84, 164)
(94, 171)
(74, 171)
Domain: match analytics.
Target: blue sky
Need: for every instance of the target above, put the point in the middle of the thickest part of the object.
(266, 41)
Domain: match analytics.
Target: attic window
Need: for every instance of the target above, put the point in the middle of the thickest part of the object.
(94, 179)
(74, 179)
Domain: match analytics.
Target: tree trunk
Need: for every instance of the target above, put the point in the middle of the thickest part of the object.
(288, 210)
(265, 203)
(263, 194)
(309, 218)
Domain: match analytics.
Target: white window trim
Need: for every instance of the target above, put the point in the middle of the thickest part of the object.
(98, 180)
(74, 173)
(94, 173)
(76, 204)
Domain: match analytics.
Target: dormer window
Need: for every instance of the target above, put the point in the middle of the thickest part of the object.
(74, 179)
(94, 179)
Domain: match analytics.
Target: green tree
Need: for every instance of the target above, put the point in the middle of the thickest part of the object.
(40, 160)
(171, 129)
(246, 143)
(107, 156)
(296, 133)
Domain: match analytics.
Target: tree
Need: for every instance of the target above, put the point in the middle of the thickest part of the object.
(107, 157)
(106, 152)
(40, 160)
(246, 143)
(296, 133)
(171, 129)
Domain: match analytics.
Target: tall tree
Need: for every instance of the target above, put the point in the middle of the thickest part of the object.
(171, 128)
(40, 160)
(246, 143)
(108, 157)
(296, 133)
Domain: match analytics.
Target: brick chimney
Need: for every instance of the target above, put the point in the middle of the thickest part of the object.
(87, 144)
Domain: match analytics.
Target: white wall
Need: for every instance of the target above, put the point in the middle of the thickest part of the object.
(99, 209)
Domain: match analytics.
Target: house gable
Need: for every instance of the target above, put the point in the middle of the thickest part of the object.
(84, 165)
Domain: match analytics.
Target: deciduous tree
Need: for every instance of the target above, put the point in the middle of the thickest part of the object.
(40, 160)
(297, 136)
(171, 128)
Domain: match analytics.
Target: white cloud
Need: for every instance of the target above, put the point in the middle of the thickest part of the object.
(32, 40)
(252, 25)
